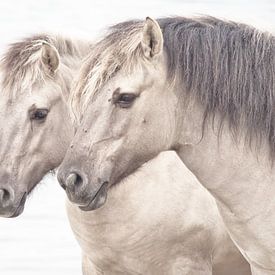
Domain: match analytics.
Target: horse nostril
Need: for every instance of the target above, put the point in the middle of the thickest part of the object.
(63, 186)
(5, 197)
(73, 181)
(79, 180)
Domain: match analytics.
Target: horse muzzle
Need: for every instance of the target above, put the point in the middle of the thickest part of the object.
(9, 208)
(80, 192)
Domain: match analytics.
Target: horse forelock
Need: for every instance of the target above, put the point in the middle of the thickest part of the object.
(119, 49)
(225, 66)
(21, 65)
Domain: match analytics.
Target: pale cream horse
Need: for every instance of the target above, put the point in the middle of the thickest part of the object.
(145, 227)
(202, 87)
(36, 75)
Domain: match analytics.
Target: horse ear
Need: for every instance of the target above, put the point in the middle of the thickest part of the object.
(50, 57)
(152, 39)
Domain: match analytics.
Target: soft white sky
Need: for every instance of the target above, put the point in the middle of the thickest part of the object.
(87, 17)
(40, 241)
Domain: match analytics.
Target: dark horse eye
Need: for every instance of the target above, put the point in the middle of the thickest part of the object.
(39, 114)
(125, 100)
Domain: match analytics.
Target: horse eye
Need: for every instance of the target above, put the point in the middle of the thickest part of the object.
(125, 100)
(39, 114)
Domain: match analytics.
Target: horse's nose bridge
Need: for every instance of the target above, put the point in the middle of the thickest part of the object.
(80, 148)
(14, 140)
(5, 177)
(9, 165)
(7, 148)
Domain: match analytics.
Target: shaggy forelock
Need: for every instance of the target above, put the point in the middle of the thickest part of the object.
(21, 67)
(226, 67)
(119, 49)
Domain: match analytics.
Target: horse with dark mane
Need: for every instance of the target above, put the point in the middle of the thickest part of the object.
(202, 87)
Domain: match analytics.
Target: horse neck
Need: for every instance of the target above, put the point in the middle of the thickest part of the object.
(240, 179)
(225, 165)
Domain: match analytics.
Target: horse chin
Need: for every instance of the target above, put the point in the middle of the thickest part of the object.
(20, 208)
(17, 212)
(98, 200)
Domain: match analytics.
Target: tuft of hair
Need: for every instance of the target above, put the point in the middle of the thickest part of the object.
(120, 48)
(21, 64)
(227, 67)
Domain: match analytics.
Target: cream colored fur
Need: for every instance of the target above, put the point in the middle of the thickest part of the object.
(157, 221)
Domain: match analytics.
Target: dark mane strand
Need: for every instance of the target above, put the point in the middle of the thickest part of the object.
(229, 68)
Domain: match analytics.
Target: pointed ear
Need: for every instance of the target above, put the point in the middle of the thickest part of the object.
(152, 39)
(49, 57)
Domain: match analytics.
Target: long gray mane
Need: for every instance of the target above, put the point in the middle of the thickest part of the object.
(21, 65)
(229, 68)
(225, 66)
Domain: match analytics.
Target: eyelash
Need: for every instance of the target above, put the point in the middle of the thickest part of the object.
(39, 114)
(125, 100)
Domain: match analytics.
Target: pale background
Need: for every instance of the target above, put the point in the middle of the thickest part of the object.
(40, 241)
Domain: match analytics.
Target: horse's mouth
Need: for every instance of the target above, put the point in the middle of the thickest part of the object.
(98, 200)
(20, 206)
